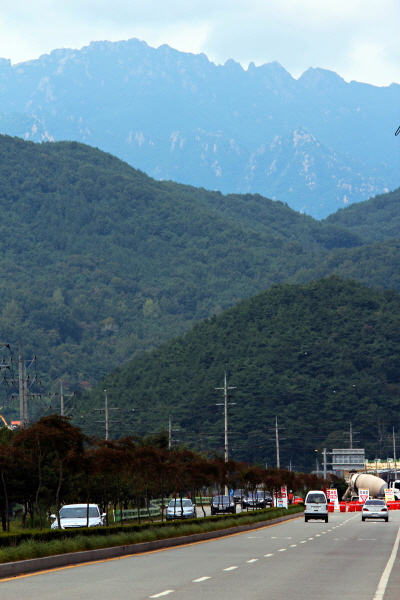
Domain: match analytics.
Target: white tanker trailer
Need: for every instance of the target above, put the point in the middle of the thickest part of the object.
(375, 485)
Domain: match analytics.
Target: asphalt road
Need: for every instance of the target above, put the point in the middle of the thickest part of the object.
(344, 559)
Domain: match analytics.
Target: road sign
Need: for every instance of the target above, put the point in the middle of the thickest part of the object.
(389, 495)
(281, 498)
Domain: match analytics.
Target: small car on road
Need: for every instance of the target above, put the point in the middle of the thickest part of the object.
(222, 504)
(375, 509)
(316, 506)
(180, 509)
(73, 516)
(257, 500)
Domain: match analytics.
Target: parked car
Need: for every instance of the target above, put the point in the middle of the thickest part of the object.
(222, 504)
(75, 515)
(375, 509)
(257, 500)
(238, 496)
(181, 509)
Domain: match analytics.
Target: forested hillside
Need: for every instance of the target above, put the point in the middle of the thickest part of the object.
(377, 219)
(317, 356)
(100, 263)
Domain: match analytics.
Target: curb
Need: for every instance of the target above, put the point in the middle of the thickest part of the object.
(33, 565)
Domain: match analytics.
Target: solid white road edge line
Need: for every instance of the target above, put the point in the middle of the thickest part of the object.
(388, 569)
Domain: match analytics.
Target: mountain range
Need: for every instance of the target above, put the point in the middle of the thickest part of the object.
(317, 143)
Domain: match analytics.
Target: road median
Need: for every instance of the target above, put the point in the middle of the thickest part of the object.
(58, 560)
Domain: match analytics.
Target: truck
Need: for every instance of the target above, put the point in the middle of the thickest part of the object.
(375, 485)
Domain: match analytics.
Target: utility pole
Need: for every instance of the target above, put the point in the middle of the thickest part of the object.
(64, 408)
(394, 455)
(170, 430)
(278, 458)
(324, 452)
(351, 434)
(21, 387)
(225, 404)
(61, 399)
(106, 410)
(24, 385)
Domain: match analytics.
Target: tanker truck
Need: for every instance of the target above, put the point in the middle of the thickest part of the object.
(375, 485)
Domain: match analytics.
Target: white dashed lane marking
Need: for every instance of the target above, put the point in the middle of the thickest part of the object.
(252, 560)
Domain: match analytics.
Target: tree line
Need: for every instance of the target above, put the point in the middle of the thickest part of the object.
(52, 462)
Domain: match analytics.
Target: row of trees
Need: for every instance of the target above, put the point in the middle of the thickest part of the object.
(53, 462)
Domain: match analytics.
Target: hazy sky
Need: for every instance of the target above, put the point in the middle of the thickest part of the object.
(359, 39)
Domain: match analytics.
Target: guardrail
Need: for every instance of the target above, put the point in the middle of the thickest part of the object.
(198, 501)
(133, 513)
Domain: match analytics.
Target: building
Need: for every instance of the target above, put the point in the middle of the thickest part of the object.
(348, 459)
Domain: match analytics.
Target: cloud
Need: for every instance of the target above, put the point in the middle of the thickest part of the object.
(357, 39)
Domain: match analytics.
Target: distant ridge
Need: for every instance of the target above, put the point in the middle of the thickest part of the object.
(317, 143)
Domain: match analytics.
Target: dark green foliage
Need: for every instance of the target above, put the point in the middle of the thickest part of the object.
(317, 356)
(101, 263)
(374, 220)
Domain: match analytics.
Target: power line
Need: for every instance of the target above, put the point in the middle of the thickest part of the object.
(106, 410)
(225, 405)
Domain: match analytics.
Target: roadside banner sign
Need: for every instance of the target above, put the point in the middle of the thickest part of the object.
(363, 495)
(281, 498)
(332, 494)
(389, 495)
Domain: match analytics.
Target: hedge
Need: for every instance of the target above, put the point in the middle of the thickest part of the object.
(15, 539)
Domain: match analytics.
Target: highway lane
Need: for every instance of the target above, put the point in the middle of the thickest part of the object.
(342, 559)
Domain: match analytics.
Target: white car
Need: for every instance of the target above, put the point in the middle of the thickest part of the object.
(316, 506)
(176, 511)
(375, 509)
(75, 515)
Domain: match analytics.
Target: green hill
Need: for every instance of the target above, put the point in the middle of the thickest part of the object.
(100, 263)
(374, 220)
(318, 356)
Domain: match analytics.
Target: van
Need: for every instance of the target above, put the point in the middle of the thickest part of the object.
(316, 506)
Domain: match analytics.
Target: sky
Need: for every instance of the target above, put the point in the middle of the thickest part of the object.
(358, 39)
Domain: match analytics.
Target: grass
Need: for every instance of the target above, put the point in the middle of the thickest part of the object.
(31, 548)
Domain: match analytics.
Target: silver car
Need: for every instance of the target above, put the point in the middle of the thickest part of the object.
(375, 509)
(75, 515)
(181, 509)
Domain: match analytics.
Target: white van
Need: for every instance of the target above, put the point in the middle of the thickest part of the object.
(316, 506)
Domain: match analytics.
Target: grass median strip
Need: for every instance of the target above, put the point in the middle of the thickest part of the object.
(34, 547)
